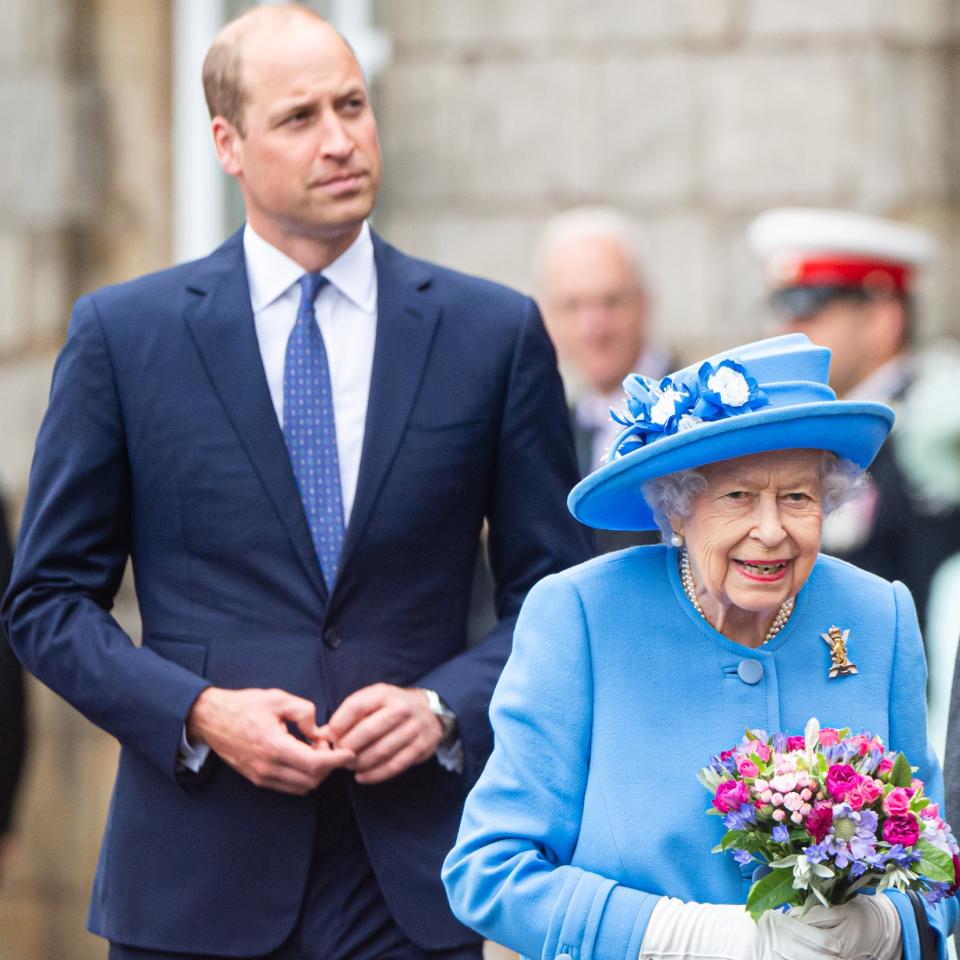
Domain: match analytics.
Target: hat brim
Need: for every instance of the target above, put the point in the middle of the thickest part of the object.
(610, 498)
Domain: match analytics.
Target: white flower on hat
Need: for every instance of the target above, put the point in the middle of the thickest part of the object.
(666, 406)
(687, 422)
(730, 385)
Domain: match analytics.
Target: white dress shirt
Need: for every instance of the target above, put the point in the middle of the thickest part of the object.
(346, 310)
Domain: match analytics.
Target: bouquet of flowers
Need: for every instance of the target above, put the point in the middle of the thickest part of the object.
(827, 815)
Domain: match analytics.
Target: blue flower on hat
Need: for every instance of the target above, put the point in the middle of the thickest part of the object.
(659, 408)
(726, 390)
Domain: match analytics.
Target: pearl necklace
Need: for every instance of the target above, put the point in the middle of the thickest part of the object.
(690, 589)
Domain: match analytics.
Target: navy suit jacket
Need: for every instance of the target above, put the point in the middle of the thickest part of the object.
(161, 443)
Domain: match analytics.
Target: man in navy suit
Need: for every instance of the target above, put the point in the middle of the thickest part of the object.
(303, 719)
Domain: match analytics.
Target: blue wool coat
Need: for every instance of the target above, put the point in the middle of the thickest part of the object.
(616, 693)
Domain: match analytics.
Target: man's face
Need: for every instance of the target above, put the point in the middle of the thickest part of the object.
(595, 309)
(842, 325)
(308, 160)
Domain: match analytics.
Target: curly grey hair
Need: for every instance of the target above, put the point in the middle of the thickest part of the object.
(672, 495)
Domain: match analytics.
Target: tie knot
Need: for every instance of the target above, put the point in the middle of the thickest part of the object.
(310, 285)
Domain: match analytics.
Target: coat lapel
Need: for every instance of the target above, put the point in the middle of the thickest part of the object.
(406, 323)
(221, 321)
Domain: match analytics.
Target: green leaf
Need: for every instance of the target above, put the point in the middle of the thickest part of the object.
(902, 773)
(742, 839)
(936, 864)
(771, 891)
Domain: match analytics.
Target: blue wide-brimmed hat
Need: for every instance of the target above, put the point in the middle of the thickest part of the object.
(767, 395)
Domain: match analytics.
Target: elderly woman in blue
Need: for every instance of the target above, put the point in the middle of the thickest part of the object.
(585, 836)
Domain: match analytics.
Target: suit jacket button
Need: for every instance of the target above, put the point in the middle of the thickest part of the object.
(332, 639)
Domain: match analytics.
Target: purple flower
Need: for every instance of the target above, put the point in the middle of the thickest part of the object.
(815, 853)
(742, 818)
(851, 835)
(897, 854)
(937, 892)
(741, 856)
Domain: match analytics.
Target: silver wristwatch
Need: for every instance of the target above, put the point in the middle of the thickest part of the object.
(447, 718)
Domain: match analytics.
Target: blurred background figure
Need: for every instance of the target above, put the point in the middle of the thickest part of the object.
(12, 713)
(848, 282)
(592, 289)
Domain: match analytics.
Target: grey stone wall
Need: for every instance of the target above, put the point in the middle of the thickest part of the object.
(693, 115)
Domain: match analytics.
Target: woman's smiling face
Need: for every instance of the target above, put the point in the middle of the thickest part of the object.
(754, 533)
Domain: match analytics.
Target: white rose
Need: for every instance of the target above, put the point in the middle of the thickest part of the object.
(687, 422)
(731, 386)
(666, 406)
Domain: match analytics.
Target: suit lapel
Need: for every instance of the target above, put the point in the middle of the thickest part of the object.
(406, 323)
(221, 321)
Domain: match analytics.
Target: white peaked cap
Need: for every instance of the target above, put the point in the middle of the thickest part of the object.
(802, 230)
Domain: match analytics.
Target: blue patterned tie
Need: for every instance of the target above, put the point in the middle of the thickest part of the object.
(310, 431)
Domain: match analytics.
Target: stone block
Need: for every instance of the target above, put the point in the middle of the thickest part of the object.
(497, 247)
(679, 276)
(653, 21)
(906, 119)
(916, 21)
(48, 171)
(433, 22)
(35, 35)
(24, 387)
(788, 19)
(525, 132)
(643, 141)
(779, 127)
(33, 289)
(420, 107)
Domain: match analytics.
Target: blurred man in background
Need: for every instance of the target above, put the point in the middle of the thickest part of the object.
(847, 281)
(590, 275)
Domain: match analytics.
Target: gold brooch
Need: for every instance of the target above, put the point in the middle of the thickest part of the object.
(836, 640)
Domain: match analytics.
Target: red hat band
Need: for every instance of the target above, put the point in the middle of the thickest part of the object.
(846, 272)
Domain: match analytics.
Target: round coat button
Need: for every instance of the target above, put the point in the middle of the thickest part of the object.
(332, 639)
(750, 671)
(564, 956)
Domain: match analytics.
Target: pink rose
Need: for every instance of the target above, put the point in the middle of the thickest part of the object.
(828, 737)
(747, 768)
(761, 750)
(915, 786)
(819, 821)
(841, 779)
(896, 802)
(855, 797)
(872, 789)
(931, 812)
(902, 828)
(796, 743)
(885, 766)
(730, 795)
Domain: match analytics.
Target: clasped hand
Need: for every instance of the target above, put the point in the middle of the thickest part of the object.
(378, 732)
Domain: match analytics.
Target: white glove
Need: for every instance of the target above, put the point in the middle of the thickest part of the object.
(868, 928)
(709, 931)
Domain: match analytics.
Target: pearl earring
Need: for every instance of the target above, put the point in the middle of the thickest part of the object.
(676, 539)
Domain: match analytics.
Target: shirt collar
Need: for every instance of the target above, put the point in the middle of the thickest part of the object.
(270, 272)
